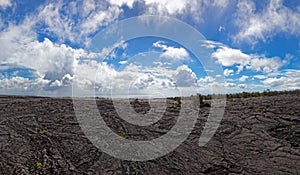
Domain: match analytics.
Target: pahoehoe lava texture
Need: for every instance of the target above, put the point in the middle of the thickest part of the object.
(134, 132)
(256, 136)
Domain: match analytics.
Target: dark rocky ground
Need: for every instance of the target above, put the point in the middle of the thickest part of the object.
(257, 136)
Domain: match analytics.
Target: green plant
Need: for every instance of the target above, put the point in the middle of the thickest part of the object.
(38, 165)
(258, 109)
(40, 131)
(51, 108)
(225, 171)
(122, 136)
(250, 106)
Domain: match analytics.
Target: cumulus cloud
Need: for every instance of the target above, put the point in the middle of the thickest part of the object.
(171, 52)
(65, 81)
(273, 82)
(234, 57)
(120, 3)
(151, 78)
(229, 57)
(288, 80)
(207, 79)
(243, 78)
(52, 64)
(133, 79)
(184, 77)
(266, 65)
(52, 60)
(257, 25)
(228, 72)
(22, 84)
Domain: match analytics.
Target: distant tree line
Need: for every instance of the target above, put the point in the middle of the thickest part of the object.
(251, 94)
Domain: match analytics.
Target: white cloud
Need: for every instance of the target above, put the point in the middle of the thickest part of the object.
(184, 77)
(221, 28)
(123, 62)
(88, 6)
(288, 80)
(148, 82)
(100, 18)
(260, 76)
(175, 53)
(5, 3)
(129, 3)
(91, 17)
(52, 60)
(266, 65)
(109, 51)
(21, 83)
(228, 72)
(192, 8)
(234, 57)
(273, 82)
(53, 63)
(211, 44)
(243, 78)
(172, 52)
(242, 86)
(220, 3)
(56, 23)
(133, 79)
(90, 72)
(172, 7)
(207, 79)
(229, 57)
(230, 85)
(262, 25)
(65, 81)
(181, 6)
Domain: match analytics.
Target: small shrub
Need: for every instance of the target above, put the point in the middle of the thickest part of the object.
(258, 109)
(38, 165)
(136, 101)
(122, 136)
(225, 171)
(51, 108)
(250, 106)
(41, 131)
(178, 100)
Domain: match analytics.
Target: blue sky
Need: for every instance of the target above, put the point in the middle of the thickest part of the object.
(48, 47)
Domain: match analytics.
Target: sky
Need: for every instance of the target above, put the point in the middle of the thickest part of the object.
(72, 48)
